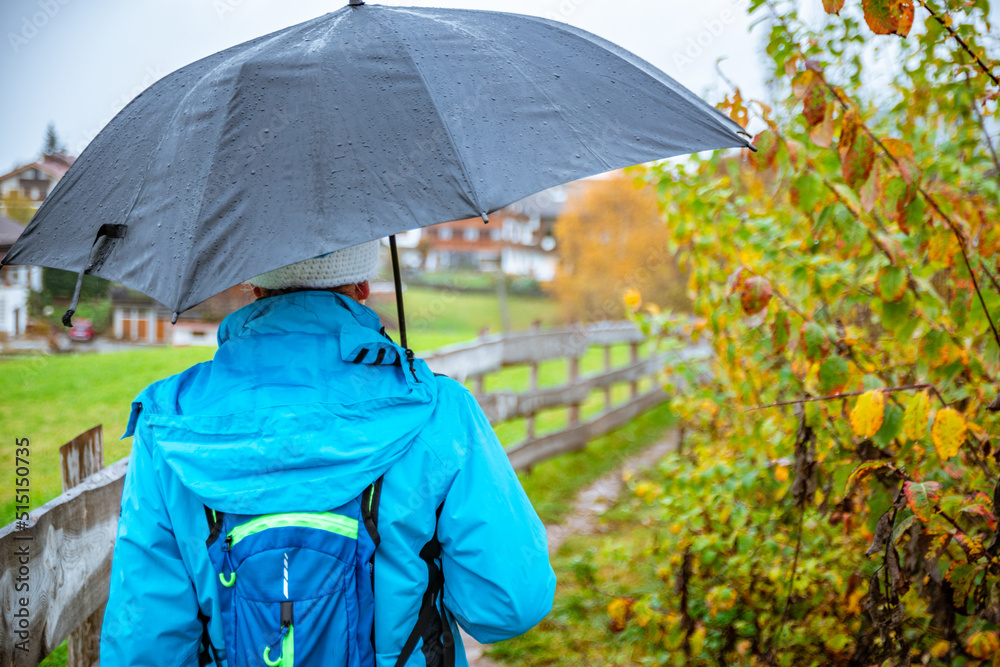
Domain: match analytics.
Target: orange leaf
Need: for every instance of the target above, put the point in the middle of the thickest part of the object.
(767, 150)
(889, 17)
(948, 432)
(868, 413)
(848, 131)
(755, 295)
(814, 105)
(803, 83)
(822, 134)
(833, 6)
(903, 154)
(983, 645)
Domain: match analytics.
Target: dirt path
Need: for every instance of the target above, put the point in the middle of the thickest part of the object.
(584, 519)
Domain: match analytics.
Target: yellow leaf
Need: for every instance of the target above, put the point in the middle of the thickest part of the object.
(940, 649)
(854, 601)
(781, 473)
(619, 610)
(867, 415)
(633, 299)
(948, 432)
(918, 410)
(977, 431)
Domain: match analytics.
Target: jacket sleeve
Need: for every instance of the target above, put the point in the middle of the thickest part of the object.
(152, 613)
(497, 578)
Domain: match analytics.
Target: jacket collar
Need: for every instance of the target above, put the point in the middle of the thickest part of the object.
(313, 312)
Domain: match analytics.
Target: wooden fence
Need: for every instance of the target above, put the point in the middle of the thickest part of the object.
(62, 552)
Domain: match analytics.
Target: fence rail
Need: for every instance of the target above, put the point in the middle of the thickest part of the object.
(62, 552)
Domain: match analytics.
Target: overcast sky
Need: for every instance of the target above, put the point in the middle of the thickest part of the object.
(78, 62)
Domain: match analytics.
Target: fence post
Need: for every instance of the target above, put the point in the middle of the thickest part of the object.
(634, 357)
(574, 375)
(79, 458)
(529, 421)
(607, 369)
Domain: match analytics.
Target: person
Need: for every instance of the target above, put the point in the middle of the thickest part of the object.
(306, 403)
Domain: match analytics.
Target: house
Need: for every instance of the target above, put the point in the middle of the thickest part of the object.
(138, 318)
(36, 180)
(529, 241)
(463, 244)
(519, 239)
(33, 182)
(16, 283)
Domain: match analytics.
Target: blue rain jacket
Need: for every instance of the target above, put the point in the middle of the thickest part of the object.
(305, 405)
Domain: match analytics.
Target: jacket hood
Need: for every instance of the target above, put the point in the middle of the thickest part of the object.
(305, 404)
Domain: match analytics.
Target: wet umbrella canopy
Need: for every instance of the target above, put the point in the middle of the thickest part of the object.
(356, 125)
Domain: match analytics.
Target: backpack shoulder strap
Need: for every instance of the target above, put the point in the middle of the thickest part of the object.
(214, 525)
(369, 508)
(431, 625)
(207, 654)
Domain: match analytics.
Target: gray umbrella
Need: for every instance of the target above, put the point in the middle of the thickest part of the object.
(356, 125)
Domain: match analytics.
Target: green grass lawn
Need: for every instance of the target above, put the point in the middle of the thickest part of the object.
(435, 318)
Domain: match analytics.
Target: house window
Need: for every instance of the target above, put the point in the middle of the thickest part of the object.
(471, 234)
(444, 233)
(495, 234)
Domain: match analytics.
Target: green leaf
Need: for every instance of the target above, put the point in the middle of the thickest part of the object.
(892, 426)
(892, 283)
(806, 191)
(833, 375)
(921, 498)
(897, 317)
(815, 342)
(780, 329)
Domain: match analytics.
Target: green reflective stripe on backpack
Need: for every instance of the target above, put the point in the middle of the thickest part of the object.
(333, 523)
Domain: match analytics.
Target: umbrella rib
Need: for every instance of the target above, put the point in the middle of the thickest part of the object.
(474, 196)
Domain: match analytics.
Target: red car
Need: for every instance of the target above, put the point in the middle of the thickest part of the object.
(81, 330)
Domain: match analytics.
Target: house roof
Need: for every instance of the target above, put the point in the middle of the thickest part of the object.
(10, 230)
(55, 166)
(545, 204)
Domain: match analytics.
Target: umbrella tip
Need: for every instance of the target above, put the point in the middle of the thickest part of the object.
(173, 319)
(748, 140)
(486, 218)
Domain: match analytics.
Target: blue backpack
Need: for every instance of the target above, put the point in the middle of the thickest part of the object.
(296, 588)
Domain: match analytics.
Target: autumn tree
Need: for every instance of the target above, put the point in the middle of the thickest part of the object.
(840, 503)
(18, 207)
(612, 238)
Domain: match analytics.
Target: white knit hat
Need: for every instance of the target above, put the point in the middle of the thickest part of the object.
(340, 267)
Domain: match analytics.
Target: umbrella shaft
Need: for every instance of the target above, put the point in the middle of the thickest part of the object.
(399, 291)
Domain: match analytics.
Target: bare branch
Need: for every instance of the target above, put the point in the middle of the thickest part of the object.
(834, 397)
(968, 49)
